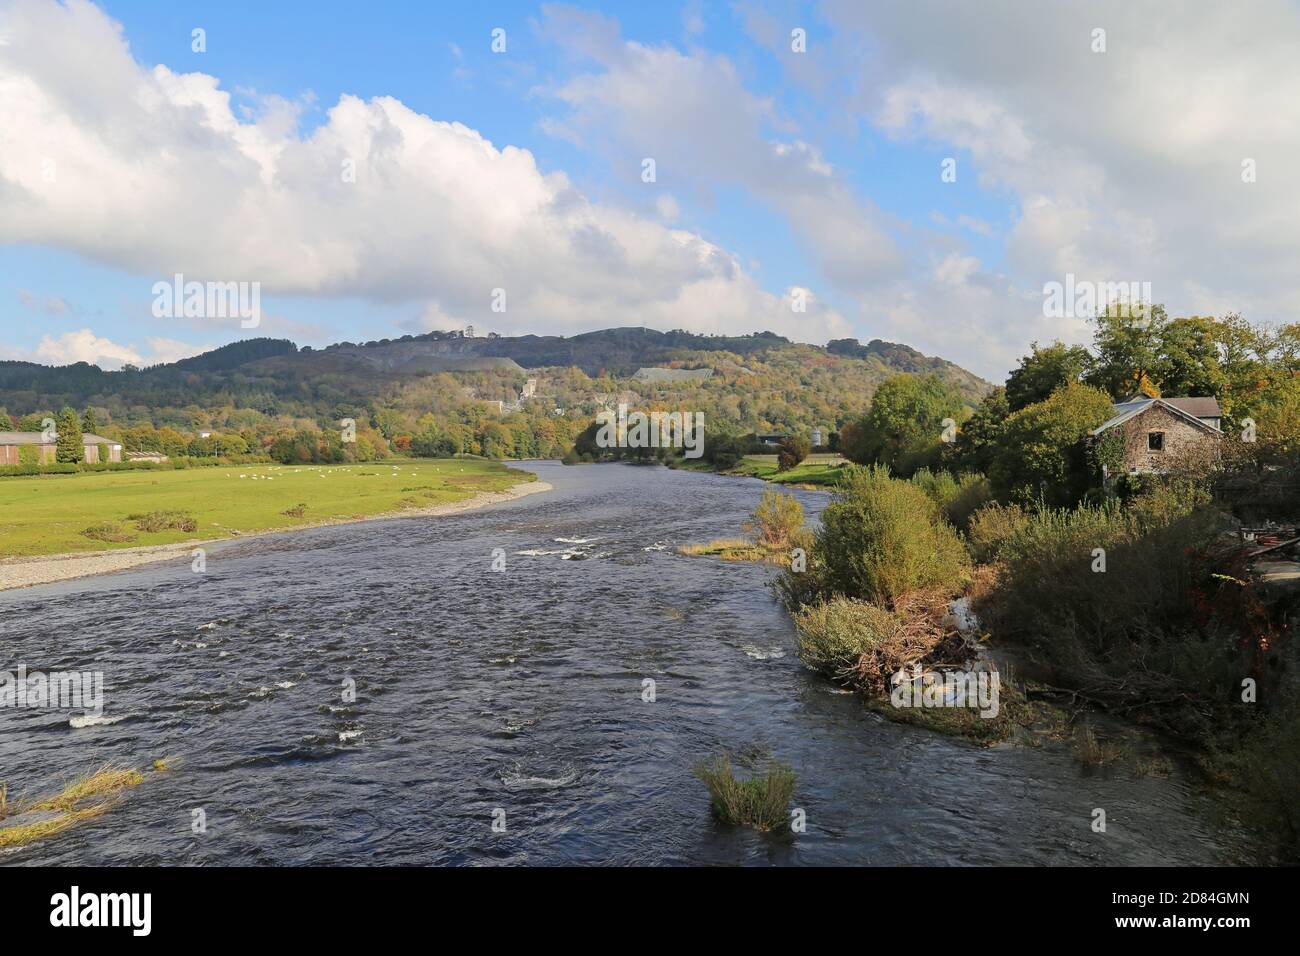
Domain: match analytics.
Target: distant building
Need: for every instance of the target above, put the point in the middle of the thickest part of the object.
(47, 448)
(816, 438)
(771, 440)
(156, 457)
(530, 389)
(1160, 434)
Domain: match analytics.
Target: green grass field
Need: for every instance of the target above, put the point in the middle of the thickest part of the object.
(46, 514)
(813, 470)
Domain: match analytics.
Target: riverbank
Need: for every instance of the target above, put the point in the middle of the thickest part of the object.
(47, 569)
(815, 473)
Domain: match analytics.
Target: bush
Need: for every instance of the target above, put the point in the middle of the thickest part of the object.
(777, 519)
(298, 510)
(881, 539)
(956, 497)
(113, 531)
(1264, 764)
(836, 634)
(790, 451)
(990, 527)
(1156, 626)
(156, 521)
(761, 802)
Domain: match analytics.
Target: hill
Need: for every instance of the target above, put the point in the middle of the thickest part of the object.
(758, 382)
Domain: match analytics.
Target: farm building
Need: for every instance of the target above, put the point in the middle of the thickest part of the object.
(11, 444)
(1162, 434)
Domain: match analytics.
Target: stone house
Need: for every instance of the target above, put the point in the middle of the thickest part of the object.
(1161, 435)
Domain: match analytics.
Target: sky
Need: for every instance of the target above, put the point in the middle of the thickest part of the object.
(916, 171)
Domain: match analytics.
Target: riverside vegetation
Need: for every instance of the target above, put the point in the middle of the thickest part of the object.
(1136, 600)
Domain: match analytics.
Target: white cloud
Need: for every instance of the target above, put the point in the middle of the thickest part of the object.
(1124, 165)
(693, 115)
(156, 174)
(84, 345)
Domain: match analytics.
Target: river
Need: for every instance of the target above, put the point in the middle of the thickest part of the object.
(481, 691)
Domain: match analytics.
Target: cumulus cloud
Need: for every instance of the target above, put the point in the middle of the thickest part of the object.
(1125, 164)
(156, 173)
(83, 345)
(691, 113)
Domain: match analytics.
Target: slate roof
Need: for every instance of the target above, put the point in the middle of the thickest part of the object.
(38, 438)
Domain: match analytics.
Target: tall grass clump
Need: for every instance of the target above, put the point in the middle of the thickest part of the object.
(112, 531)
(761, 801)
(155, 521)
(85, 798)
(882, 539)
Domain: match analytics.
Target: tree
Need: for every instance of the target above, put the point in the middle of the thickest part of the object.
(978, 439)
(904, 427)
(1041, 449)
(88, 421)
(1187, 362)
(1043, 371)
(791, 450)
(68, 445)
(1127, 343)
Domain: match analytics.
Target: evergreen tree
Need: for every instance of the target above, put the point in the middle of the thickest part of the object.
(69, 446)
(88, 421)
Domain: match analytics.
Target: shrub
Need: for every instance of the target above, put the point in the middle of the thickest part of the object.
(297, 511)
(777, 519)
(1263, 762)
(108, 531)
(761, 802)
(156, 521)
(957, 497)
(881, 539)
(1155, 626)
(836, 634)
(990, 527)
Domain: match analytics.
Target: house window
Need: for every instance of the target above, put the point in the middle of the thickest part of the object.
(1155, 441)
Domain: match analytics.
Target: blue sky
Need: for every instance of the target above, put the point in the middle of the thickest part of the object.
(777, 171)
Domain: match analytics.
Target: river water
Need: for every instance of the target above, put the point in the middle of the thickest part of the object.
(516, 696)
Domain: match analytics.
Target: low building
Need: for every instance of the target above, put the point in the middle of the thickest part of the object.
(772, 440)
(12, 443)
(156, 457)
(1160, 435)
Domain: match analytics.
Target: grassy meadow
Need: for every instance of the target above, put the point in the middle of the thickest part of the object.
(48, 514)
(813, 470)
